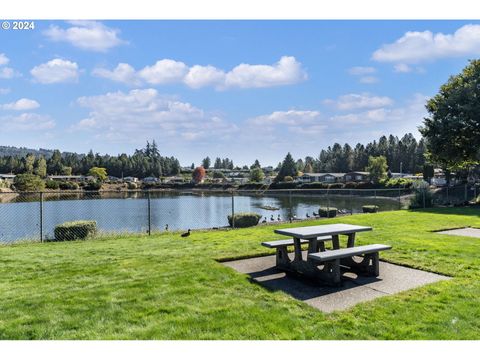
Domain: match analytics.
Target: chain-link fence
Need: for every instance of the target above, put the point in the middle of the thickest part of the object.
(34, 216)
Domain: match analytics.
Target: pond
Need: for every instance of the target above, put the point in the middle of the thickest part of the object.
(128, 212)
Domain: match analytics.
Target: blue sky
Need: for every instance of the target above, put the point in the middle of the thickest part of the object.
(240, 89)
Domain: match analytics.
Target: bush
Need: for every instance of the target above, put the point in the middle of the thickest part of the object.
(243, 220)
(396, 183)
(288, 179)
(313, 185)
(327, 212)
(365, 185)
(4, 184)
(283, 185)
(68, 185)
(350, 185)
(335, 186)
(423, 196)
(28, 182)
(93, 186)
(131, 186)
(52, 184)
(370, 208)
(75, 230)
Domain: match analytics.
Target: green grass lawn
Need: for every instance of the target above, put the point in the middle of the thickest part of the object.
(168, 287)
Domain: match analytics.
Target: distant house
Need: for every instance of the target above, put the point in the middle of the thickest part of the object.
(357, 176)
(130, 179)
(7, 177)
(73, 178)
(150, 180)
(322, 177)
(175, 179)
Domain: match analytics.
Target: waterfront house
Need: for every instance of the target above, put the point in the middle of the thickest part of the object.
(7, 177)
(322, 177)
(357, 176)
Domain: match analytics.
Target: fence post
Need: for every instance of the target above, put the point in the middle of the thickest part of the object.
(149, 214)
(41, 216)
(233, 210)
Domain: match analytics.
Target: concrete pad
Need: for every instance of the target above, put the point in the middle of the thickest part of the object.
(354, 289)
(471, 232)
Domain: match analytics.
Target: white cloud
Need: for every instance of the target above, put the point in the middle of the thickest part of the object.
(369, 79)
(359, 101)
(201, 76)
(361, 70)
(402, 68)
(27, 122)
(21, 105)
(86, 35)
(7, 73)
(143, 113)
(124, 73)
(415, 46)
(286, 71)
(4, 60)
(290, 117)
(163, 72)
(55, 71)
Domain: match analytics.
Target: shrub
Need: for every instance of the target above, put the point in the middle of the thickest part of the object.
(283, 185)
(423, 196)
(397, 183)
(365, 185)
(313, 185)
(4, 184)
(370, 208)
(75, 230)
(327, 212)
(350, 185)
(28, 182)
(288, 179)
(52, 184)
(335, 186)
(243, 220)
(93, 186)
(68, 185)
(131, 186)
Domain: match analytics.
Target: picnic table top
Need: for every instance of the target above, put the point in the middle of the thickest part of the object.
(307, 232)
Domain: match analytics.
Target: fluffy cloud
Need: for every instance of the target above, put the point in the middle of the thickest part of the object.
(291, 117)
(359, 101)
(21, 105)
(361, 70)
(86, 35)
(55, 71)
(145, 113)
(369, 79)
(7, 73)
(286, 71)
(415, 46)
(27, 122)
(4, 60)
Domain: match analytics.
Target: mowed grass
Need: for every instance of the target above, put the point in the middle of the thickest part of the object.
(168, 287)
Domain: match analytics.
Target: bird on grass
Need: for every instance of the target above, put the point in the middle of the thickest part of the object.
(186, 234)
(271, 218)
(314, 213)
(279, 218)
(308, 216)
(166, 227)
(264, 220)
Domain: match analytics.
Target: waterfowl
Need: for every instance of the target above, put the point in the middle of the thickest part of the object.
(279, 218)
(264, 220)
(166, 227)
(307, 215)
(314, 213)
(271, 218)
(186, 234)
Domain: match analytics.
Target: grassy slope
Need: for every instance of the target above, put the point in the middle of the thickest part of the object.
(167, 287)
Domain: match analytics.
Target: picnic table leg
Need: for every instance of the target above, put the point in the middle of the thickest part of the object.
(351, 240)
(298, 249)
(312, 246)
(336, 242)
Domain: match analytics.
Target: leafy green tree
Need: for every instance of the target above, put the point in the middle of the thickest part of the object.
(256, 164)
(256, 174)
(377, 167)
(41, 167)
(428, 172)
(29, 163)
(100, 174)
(28, 182)
(66, 170)
(218, 163)
(218, 175)
(452, 130)
(288, 168)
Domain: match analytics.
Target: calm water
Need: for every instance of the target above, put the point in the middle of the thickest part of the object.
(20, 217)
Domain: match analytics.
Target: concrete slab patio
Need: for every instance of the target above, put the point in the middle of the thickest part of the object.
(355, 289)
(470, 232)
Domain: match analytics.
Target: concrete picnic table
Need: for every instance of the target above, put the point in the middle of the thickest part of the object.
(316, 236)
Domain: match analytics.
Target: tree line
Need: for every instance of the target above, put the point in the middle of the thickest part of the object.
(144, 162)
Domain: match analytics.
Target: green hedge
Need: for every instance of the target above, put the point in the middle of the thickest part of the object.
(75, 230)
(68, 185)
(243, 220)
(327, 212)
(370, 208)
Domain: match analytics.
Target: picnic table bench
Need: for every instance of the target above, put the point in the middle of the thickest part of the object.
(322, 264)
